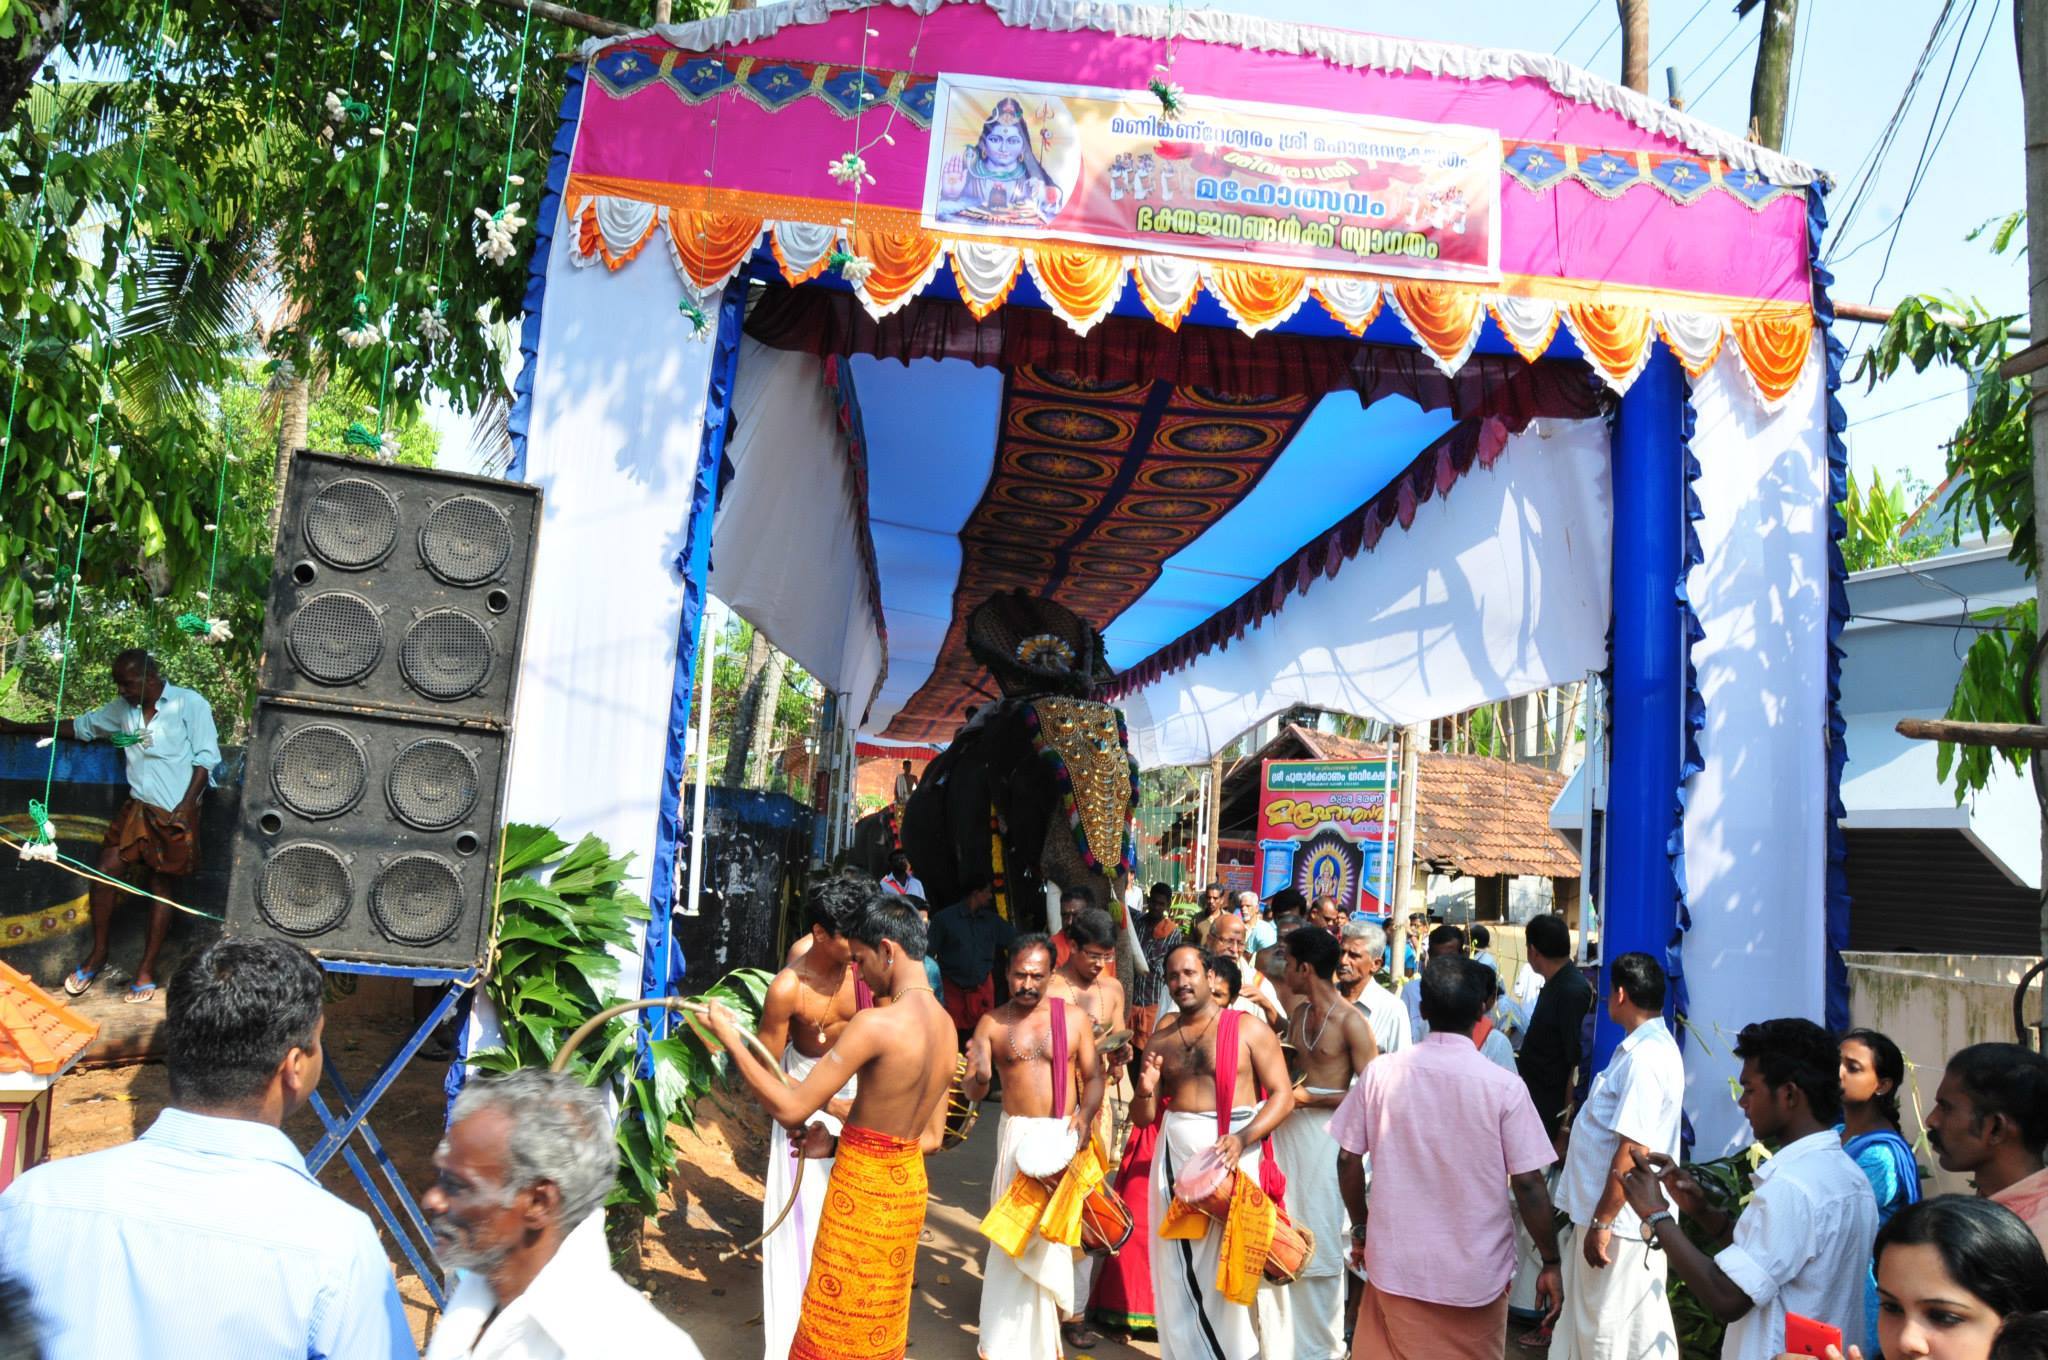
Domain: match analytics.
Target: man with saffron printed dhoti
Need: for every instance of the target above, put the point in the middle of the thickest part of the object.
(807, 1006)
(857, 1298)
(1335, 1042)
(1203, 1068)
(1052, 1087)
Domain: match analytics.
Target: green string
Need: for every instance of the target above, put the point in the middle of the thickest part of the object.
(197, 624)
(356, 25)
(518, 84)
(377, 187)
(448, 203)
(412, 161)
(35, 256)
(284, 15)
(92, 465)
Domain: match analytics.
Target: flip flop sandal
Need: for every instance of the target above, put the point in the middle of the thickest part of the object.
(78, 982)
(1080, 1335)
(140, 993)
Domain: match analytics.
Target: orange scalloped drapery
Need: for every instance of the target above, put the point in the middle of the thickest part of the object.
(981, 311)
(1775, 349)
(1084, 282)
(903, 260)
(1615, 336)
(711, 244)
(1357, 327)
(1442, 318)
(1533, 351)
(793, 276)
(1255, 293)
(1169, 317)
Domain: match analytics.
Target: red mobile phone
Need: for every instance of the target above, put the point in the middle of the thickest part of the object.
(1804, 1336)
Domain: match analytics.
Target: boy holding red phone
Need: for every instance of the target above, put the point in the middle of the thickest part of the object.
(1803, 1244)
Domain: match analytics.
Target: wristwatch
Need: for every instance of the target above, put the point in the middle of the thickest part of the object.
(1650, 1226)
(1597, 1226)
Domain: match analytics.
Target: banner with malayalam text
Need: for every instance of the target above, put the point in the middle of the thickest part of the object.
(1328, 827)
(1254, 183)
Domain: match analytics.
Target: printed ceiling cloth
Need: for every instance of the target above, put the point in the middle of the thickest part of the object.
(1095, 486)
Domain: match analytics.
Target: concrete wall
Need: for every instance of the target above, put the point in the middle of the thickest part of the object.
(1931, 1005)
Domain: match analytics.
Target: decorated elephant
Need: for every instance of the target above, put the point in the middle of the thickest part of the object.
(875, 837)
(1038, 787)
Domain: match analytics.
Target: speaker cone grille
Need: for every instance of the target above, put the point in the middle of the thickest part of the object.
(352, 524)
(319, 770)
(433, 784)
(418, 899)
(466, 541)
(305, 889)
(335, 637)
(446, 655)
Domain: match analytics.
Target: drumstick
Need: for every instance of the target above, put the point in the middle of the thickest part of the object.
(689, 1010)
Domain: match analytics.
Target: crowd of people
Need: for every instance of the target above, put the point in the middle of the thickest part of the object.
(1247, 1143)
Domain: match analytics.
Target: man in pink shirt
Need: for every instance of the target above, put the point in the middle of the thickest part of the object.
(1450, 1133)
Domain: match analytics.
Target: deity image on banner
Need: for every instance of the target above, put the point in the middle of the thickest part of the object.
(1017, 169)
(1329, 865)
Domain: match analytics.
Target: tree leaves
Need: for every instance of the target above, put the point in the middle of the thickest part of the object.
(556, 967)
(1990, 468)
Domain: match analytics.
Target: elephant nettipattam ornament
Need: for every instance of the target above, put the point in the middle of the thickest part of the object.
(1037, 787)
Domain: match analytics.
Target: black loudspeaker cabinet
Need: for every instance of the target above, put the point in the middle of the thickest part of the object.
(399, 588)
(369, 837)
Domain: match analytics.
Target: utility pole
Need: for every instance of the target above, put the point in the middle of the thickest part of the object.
(1635, 44)
(2030, 32)
(1771, 88)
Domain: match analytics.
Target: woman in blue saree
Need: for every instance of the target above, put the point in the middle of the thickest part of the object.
(1872, 1070)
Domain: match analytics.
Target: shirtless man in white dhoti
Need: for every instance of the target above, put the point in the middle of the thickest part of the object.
(807, 1005)
(1195, 1321)
(1335, 1042)
(1085, 981)
(1052, 1087)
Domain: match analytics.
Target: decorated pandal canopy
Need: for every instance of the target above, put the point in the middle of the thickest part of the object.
(1312, 367)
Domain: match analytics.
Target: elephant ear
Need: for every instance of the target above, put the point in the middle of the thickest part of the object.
(1036, 646)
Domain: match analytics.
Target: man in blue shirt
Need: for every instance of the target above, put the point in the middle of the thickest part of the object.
(966, 938)
(167, 735)
(206, 1236)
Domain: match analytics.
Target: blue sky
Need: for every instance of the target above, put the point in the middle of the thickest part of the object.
(1857, 56)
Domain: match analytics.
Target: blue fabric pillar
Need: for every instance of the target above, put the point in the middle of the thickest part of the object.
(1648, 662)
(659, 963)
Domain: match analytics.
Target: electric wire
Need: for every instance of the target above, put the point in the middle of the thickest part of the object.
(1866, 172)
(1928, 148)
(1701, 64)
(1559, 49)
(1672, 41)
(1728, 66)
(1805, 41)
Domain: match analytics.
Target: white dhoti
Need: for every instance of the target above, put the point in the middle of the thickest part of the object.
(786, 1255)
(1024, 1297)
(1308, 1156)
(1619, 1312)
(1195, 1322)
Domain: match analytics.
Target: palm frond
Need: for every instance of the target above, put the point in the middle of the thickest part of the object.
(490, 435)
(192, 300)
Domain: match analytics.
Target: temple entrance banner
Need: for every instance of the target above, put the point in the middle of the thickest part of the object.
(1214, 177)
